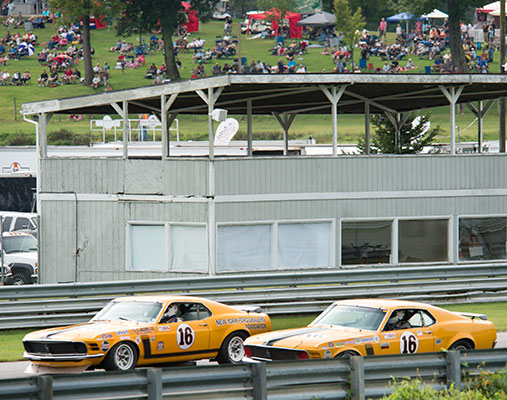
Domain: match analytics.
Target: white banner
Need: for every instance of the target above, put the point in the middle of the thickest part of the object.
(226, 131)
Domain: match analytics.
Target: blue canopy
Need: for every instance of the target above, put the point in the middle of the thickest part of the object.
(404, 16)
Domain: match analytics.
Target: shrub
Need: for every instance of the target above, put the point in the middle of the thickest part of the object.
(66, 137)
(20, 139)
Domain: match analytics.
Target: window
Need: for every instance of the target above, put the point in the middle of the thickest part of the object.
(189, 248)
(482, 239)
(243, 247)
(420, 319)
(366, 242)
(304, 245)
(6, 224)
(168, 247)
(147, 244)
(423, 240)
(22, 223)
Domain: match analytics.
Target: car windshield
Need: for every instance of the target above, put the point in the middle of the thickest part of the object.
(19, 244)
(139, 311)
(351, 316)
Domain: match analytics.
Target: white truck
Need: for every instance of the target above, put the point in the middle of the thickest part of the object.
(18, 255)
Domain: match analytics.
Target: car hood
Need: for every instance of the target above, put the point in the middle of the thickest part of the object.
(29, 257)
(91, 330)
(313, 337)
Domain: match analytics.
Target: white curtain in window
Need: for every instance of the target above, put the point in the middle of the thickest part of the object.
(188, 248)
(147, 243)
(304, 245)
(244, 248)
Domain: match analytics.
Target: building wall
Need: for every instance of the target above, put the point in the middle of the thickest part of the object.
(85, 204)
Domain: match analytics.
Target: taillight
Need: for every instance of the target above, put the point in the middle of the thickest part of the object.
(248, 352)
(302, 355)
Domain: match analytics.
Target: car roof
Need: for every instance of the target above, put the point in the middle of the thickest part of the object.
(164, 298)
(384, 303)
(16, 233)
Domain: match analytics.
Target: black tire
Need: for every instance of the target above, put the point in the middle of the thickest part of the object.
(122, 357)
(232, 350)
(461, 345)
(17, 280)
(347, 354)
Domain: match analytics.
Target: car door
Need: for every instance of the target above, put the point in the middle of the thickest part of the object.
(185, 339)
(413, 335)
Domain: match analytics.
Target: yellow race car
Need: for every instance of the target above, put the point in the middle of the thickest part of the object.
(375, 327)
(147, 330)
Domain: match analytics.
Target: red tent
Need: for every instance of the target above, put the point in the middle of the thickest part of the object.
(295, 32)
(193, 21)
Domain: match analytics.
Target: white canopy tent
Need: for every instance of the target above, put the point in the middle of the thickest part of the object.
(435, 14)
(496, 13)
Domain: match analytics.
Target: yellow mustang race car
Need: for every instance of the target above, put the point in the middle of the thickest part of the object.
(146, 330)
(375, 327)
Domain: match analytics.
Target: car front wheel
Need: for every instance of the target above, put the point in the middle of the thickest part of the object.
(232, 350)
(122, 357)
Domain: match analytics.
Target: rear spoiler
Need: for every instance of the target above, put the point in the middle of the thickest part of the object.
(248, 309)
(473, 316)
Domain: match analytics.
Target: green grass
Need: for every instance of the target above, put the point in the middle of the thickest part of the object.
(350, 127)
(11, 347)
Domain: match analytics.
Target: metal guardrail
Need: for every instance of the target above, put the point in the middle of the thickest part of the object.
(362, 377)
(280, 293)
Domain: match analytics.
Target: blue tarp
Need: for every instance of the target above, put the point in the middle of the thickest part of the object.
(404, 16)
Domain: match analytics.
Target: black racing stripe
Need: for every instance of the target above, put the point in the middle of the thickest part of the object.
(63, 330)
(296, 333)
(148, 355)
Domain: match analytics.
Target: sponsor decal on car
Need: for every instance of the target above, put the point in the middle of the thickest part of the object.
(241, 320)
(390, 335)
(164, 328)
(137, 340)
(106, 336)
(255, 326)
(124, 337)
(143, 330)
(339, 344)
(327, 354)
(105, 345)
(438, 341)
(160, 346)
(331, 345)
(125, 332)
(384, 345)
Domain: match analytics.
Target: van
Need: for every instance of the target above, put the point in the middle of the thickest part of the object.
(19, 221)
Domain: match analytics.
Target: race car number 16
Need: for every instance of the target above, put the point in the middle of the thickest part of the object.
(408, 343)
(185, 336)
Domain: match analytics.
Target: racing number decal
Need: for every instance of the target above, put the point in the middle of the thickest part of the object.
(408, 343)
(185, 336)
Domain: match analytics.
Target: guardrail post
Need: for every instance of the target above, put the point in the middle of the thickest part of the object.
(259, 384)
(45, 387)
(154, 377)
(453, 369)
(357, 377)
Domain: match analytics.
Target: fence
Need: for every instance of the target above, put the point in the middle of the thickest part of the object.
(282, 293)
(363, 377)
(138, 129)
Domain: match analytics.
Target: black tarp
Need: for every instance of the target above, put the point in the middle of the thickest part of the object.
(18, 194)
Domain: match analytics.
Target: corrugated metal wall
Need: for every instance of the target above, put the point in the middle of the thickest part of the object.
(100, 231)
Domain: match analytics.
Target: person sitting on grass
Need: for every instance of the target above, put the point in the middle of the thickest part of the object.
(42, 80)
(25, 77)
(53, 78)
(96, 81)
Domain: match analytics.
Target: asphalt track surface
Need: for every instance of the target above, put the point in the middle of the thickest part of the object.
(10, 370)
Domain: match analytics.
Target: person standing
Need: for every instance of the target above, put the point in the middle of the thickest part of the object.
(382, 26)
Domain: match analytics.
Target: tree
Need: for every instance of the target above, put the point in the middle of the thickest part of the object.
(82, 10)
(456, 9)
(350, 24)
(165, 15)
(414, 135)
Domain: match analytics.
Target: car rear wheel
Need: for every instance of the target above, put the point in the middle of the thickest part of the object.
(461, 345)
(347, 354)
(232, 350)
(122, 357)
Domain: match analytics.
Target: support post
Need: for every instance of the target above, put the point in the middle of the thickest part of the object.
(334, 96)
(249, 126)
(259, 383)
(367, 138)
(452, 94)
(45, 387)
(453, 369)
(166, 123)
(357, 377)
(154, 378)
(285, 120)
(43, 136)
(210, 99)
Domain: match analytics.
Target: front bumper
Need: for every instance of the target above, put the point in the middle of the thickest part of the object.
(270, 353)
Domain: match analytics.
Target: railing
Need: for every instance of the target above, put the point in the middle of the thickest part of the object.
(281, 293)
(138, 129)
(362, 377)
